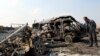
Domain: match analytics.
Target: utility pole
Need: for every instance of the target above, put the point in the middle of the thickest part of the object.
(43, 20)
(34, 21)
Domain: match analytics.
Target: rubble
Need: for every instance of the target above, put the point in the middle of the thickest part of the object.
(42, 37)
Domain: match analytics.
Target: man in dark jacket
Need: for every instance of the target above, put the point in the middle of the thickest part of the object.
(91, 29)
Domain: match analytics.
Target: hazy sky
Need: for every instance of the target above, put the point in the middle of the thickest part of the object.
(22, 11)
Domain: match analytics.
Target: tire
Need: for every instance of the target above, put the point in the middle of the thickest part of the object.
(39, 47)
(68, 39)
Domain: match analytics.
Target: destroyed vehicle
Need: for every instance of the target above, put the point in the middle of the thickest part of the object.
(22, 44)
(65, 28)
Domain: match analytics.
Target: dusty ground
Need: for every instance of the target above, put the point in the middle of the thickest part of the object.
(78, 49)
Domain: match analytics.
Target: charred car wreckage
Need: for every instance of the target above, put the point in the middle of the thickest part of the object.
(38, 39)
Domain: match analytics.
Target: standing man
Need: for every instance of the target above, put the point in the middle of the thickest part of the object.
(91, 29)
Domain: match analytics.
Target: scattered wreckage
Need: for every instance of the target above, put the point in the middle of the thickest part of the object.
(42, 36)
(22, 43)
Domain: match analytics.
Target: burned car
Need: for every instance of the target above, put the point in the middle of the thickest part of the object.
(64, 28)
